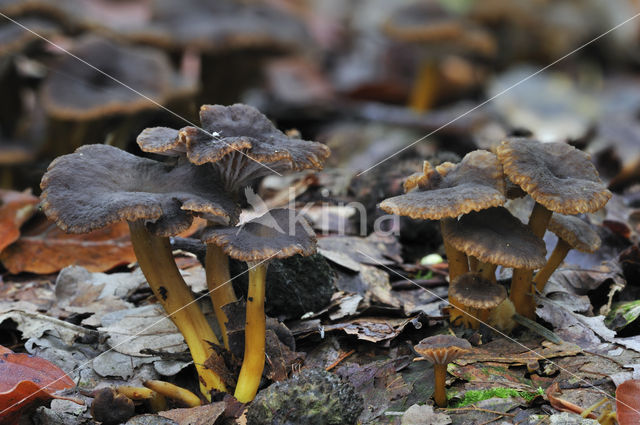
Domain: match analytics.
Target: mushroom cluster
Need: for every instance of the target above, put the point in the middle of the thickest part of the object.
(99, 185)
(479, 234)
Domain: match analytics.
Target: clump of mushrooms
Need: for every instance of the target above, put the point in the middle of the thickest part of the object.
(99, 185)
(238, 145)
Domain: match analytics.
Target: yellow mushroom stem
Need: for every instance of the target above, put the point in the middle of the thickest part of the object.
(220, 286)
(439, 390)
(522, 293)
(155, 401)
(174, 392)
(159, 268)
(254, 335)
(458, 265)
(487, 271)
(425, 87)
(557, 256)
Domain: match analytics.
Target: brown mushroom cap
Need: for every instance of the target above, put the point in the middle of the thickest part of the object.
(14, 38)
(473, 184)
(473, 291)
(266, 237)
(576, 232)
(98, 185)
(211, 26)
(76, 91)
(556, 175)
(495, 236)
(161, 141)
(243, 139)
(427, 23)
(442, 349)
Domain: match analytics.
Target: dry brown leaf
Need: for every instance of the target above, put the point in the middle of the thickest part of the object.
(15, 209)
(46, 249)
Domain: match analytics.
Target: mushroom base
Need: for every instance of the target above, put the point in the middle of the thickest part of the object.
(159, 268)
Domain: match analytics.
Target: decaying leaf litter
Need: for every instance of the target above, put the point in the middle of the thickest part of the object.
(378, 283)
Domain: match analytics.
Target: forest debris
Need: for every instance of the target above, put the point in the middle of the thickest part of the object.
(424, 414)
(373, 329)
(34, 325)
(44, 248)
(15, 209)
(134, 330)
(201, 415)
(547, 351)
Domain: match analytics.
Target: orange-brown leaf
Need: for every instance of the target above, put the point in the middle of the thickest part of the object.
(46, 249)
(26, 381)
(628, 402)
(15, 209)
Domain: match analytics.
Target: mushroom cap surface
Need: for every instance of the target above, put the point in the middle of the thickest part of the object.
(239, 142)
(79, 92)
(497, 237)
(472, 290)
(576, 232)
(98, 185)
(275, 234)
(556, 175)
(442, 349)
(473, 184)
(220, 25)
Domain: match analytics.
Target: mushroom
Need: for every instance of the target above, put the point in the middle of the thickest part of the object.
(495, 237)
(560, 178)
(436, 33)
(478, 295)
(240, 145)
(99, 185)
(78, 99)
(447, 191)
(573, 233)
(442, 350)
(256, 242)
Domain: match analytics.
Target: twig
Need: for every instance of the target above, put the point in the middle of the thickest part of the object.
(478, 409)
(492, 420)
(341, 358)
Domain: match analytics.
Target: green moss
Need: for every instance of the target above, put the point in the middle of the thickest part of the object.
(474, 396)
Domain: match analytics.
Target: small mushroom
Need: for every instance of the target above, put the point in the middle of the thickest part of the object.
(573, 233)
(450, 190)
(99, 185)
(240, 145)
(560, 178)
(435, 33)
(256, 242)
(478, 295)
(442, 350)
(79, 99)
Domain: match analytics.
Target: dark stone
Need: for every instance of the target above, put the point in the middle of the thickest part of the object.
(295, 285)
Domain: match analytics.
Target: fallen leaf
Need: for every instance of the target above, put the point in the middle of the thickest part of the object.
(201, 415)
(34, 325)
(424, 415)
(628, 402)
(15, 209)
(45, 249)
(26, 381)
(563, 405)
(373, 329)
(135, 330)
(521, 357)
